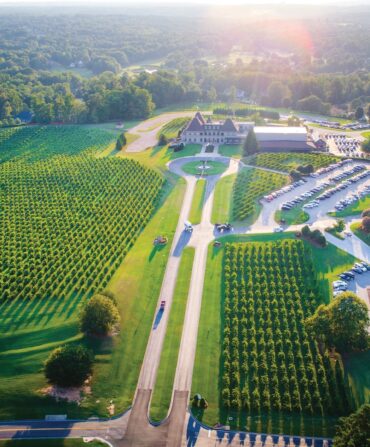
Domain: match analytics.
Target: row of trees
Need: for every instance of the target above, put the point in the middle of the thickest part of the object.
(269, 360)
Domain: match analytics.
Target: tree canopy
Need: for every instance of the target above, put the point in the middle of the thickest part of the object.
(251, 145)
(354, 430)
(343, 323)
(69, 366)
(99, 316)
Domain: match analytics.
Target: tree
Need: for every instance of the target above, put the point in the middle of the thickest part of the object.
(313, 103)
(354, 430)
(276, 93)
(294, 121)
(121, 142)
(365, 224)
(359, 114)
(366, 213)
(69, 366)
(162, 140)
(366, 145)
(99, 315)
(295, 175)
(343, 323)
(251, 145)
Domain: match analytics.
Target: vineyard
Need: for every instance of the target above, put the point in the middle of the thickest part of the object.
(67, 222)
(251, 185)
(269, 362)
(288, 161)
(171, 129)
(38, 142)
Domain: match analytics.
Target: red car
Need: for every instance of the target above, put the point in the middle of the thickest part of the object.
(163, 303)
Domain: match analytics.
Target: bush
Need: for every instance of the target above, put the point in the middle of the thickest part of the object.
(162, 140)
(69, 366)
(366, 213)
(295, 175)
(99, 315)
(121, 142)
(365, 225)
(354, 430)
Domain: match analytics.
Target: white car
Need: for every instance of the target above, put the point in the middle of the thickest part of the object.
(278, 229)
(339, 283)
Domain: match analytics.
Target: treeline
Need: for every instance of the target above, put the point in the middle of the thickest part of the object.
(65, 97)
(247, 111)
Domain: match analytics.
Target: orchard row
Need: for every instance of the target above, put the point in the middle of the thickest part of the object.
(249, 187)
(269, 361)
(67, 222)
(285, 161)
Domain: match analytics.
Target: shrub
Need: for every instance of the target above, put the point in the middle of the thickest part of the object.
(99, 316)
(162, 140)
(69, 366)
(121, 142)
(354, 430)
(365, 224)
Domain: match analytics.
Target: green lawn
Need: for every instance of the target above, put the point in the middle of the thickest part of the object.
(68, 442)
(328, 261)
(171, 129)
(32, 329)
(357, 370)
(294, 216)
(158, 156)
(354, 208)
(231, 150)
(214, 167)
(161, 398)
(222, 205)
(198, 199)
(356, 228)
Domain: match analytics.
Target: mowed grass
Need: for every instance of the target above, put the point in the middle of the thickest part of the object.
(198, 200)
(357, 373)
(231, 150)
(355, 208)
(158, 156)
(68, 442)
(213, 167)
(34, 328)
(171, 129)
(294, 216)
(329, 261)
(356, 228)
(161, 398)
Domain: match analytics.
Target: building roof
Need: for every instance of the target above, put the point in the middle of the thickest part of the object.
(200, 117)
(280, 130)
(229, 126)
(285, 145)
(195, 125)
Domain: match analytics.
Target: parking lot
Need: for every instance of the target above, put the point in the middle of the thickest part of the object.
(266, 217)
(343, 145)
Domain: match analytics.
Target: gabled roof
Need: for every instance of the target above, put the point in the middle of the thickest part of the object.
(229, 126)
(195, 125)
(200, 117)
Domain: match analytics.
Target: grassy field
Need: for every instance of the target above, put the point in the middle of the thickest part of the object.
(286, 161)
(206, 376)
(231, 150)
(197, 205)
(68, 442)
(214, 167)
(161, 398)
(356, 228)
(237, 195)
(357, 370)
(355, 208)
(294, 216)
(158, 156)
(171, 129)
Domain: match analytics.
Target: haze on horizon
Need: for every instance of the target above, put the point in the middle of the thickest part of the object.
(183, 3)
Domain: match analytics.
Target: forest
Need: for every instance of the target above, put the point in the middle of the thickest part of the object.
(73, 68)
